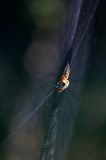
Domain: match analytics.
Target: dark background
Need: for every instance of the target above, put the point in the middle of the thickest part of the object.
(89, 140)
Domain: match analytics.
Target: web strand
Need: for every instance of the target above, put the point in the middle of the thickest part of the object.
(26, 119)
(83, 35)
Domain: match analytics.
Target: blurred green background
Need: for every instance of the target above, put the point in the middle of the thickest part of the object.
(89, 139)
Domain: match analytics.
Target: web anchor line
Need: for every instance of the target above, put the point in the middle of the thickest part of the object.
(26, 119)
(70, 61)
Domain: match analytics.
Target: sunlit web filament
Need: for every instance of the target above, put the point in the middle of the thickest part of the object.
(27, 118)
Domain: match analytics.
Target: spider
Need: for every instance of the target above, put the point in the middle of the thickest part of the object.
(63, 83)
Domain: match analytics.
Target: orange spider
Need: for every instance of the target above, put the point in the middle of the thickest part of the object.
(63, 83)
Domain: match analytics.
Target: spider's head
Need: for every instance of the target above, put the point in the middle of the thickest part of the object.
(61, 86)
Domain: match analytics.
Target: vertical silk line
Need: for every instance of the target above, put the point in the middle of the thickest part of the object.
(83, 34)
(50, 147)
(75, 26)
(50, 144)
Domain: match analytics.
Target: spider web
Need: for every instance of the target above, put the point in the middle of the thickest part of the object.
(46, 135)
